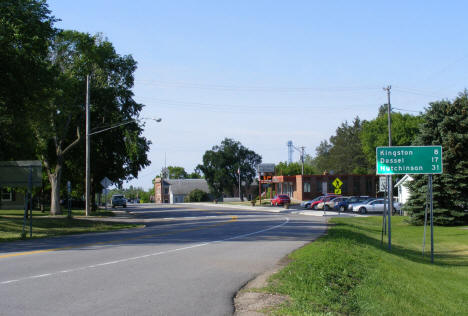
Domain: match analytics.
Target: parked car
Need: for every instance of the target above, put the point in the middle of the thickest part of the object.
(352, 205)
(306, 204)
(326, 199)
(280, 199)
(118, 200)
(331, 204)
(343, 205)
(376, 205)
(320, 199)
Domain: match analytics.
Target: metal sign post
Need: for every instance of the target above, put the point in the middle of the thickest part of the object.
(410, 160)
(69, 201)
(30, 199)
(389, 211)
(22, 174)
(105, 184)
(431, 218)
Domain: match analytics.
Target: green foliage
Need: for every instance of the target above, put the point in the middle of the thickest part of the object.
(343, 154)
(374, 133)
(26, 30)
(294, 168)
(175, 172)
(444, 123)
(220, 166)
(197, 195)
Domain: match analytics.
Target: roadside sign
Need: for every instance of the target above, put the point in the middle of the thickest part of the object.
(266, 167)
(105, 182)
(409, 160)
(21, 173)
(383, 184)
(337, 183)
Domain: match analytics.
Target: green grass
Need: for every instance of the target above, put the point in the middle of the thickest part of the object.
(11, 225)
(348, 272)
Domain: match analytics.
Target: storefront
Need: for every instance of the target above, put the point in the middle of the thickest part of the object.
(307, 187)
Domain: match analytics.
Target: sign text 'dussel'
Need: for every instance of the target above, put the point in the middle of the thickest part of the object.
(409, 160)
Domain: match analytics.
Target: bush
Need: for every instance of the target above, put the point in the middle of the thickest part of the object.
(197, 195)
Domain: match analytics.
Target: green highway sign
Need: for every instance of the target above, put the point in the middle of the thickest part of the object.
(409, 160)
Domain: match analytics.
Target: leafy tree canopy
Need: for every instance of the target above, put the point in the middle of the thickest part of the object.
(343, 153)
(25, 35)
(294, 168)
(221, 163)
(374, 133)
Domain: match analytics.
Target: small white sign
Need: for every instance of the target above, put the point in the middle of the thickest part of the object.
(105, 182)
(383, 184)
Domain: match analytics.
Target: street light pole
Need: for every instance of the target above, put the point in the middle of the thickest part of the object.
(88, 142)
(389, 178)
(88, 164)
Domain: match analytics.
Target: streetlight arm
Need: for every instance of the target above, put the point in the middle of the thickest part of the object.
(106, 129)
(124, 123)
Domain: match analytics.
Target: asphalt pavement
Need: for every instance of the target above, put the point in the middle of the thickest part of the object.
(188, 260)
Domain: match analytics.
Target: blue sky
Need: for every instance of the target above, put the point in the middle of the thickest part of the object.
(265, 72)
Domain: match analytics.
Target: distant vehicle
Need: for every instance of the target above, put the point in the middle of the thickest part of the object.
(280, 200)
(376, 205)
(118, 200)
(343, 205)
(306, 204)
(331, 204)
(365, 201)
(320, 199)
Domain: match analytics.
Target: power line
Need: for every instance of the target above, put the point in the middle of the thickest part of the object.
(231, 107)
(394, 108)
(211, 86)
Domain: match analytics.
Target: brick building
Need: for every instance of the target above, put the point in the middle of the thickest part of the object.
(307, 187)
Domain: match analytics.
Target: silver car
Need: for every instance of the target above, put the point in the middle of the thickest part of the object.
(372, 206)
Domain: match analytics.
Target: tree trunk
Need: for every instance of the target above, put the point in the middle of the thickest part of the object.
(54, 179)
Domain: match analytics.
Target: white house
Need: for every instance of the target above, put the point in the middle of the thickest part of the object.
(403, 191)
(175, 190)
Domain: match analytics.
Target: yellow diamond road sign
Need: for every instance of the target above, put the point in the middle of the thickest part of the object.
(337, 183)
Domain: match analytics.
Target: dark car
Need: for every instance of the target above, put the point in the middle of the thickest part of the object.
(118, 200)
(280, 200)
(343, 205)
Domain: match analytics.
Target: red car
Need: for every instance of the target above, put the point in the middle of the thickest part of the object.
(324, 198)
(280, 200)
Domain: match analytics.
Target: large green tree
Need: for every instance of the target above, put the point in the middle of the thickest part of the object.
(26, 30)
(444, 123)
(343, 153)
(221, 164)
(374, 133)
(118, 153)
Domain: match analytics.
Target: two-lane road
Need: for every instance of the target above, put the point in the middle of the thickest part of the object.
(187, 261)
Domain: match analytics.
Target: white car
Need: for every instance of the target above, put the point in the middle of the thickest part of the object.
(372, 206)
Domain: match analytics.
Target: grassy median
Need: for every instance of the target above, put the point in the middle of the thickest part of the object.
(349, 272)
(11, 225)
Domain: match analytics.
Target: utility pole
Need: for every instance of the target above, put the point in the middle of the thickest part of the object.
(389, 177)
(302, 159)
(301, 151)
(88, 165)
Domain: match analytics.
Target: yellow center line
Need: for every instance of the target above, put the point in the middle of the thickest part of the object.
(233, 219)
